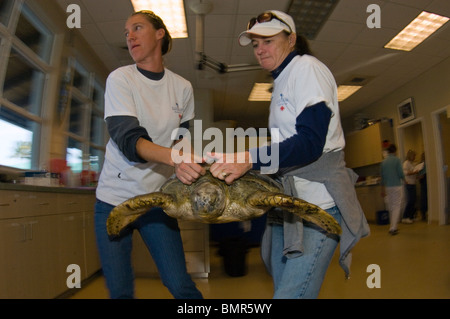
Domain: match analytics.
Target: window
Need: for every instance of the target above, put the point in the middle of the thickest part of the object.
(97, 130)
(23, 85)
(74, 155)
(34, 34)
(76, 117)
(86, 127)
(5, 11)
(28, 92)
(81, 80)
(17, 141)
(26, 48)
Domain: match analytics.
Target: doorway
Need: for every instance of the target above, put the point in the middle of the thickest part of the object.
(441, 130)
(410, 137)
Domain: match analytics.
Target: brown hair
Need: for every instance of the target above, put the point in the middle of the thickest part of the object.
(158, 23)
(392, 149)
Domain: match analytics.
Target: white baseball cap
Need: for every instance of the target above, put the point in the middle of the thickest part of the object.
(273, 22)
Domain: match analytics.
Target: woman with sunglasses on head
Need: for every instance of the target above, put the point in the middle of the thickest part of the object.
(304, 109)
(144, 104)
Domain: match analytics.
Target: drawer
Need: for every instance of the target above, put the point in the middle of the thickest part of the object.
(75, 203)
(23, 204)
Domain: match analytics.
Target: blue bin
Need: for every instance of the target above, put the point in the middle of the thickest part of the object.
(382, 217)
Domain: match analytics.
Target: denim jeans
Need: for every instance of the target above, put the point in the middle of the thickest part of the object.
(162, 237)
(411, 196)
(302, 277)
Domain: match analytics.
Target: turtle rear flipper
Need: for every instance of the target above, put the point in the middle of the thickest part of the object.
(299, 207)
(127, 212)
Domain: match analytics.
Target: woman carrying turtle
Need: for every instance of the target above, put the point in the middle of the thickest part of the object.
(144, 103)
(304, 109)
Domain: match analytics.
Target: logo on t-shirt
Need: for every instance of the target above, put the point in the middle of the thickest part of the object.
(178, 109)
(282, 102)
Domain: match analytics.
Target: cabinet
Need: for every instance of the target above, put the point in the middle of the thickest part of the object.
(371, 201)
(364, 147)
(41, 233)
(195, 238)
(27, 253)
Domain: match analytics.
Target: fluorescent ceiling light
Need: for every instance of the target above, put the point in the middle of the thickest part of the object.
(345, 91)
(417, 31)
(261, 92)
(171, 11)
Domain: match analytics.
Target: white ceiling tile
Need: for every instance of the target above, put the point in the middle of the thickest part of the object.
(255, 7)
(92, 34)
(377, 37)
(107, 10)
(219, 25)
(441, 7)
(397, 16)
(434, 47)
(113, 32)
(339, 32)
(354, 11)
(414, 3)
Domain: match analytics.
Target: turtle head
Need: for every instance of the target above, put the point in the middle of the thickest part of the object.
(208, 200)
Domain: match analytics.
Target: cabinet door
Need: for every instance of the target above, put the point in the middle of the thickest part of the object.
(70, 246)
(13, 248)
(28, 261)
(90, 244)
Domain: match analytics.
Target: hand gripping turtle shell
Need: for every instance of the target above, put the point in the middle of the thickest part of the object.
(211, 200)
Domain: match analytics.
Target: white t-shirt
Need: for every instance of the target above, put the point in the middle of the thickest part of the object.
(408, 167)
(160, 106)
(305, 82)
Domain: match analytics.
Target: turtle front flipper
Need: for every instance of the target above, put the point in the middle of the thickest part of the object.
(127, 212)
(299, 207)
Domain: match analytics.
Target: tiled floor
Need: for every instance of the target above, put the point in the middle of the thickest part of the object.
(413, 264)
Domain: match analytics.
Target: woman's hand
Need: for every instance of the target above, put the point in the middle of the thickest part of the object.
(229, 167)
(188, 167)
(188, 173)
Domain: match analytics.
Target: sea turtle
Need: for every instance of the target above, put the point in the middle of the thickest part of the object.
(211, 200)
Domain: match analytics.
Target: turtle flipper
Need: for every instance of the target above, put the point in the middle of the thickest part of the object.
(299, 207)
(127, 212)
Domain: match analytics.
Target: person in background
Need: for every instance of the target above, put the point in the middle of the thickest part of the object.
(392, 178)
(410, 187)
(422, 176)
(304, 109)
(385, 144)
(144, 103)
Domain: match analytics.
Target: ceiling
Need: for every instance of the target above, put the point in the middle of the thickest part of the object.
(345, 44)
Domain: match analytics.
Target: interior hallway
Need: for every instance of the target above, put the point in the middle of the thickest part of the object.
(413, 264)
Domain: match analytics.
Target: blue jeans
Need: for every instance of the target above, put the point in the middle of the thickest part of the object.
(411, 196)
(162, 237)
(302, 277)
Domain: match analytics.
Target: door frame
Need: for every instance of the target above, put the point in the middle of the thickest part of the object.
(401, 153)
(441, 180)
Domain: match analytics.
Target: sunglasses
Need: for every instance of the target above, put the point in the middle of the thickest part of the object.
(266, 17)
